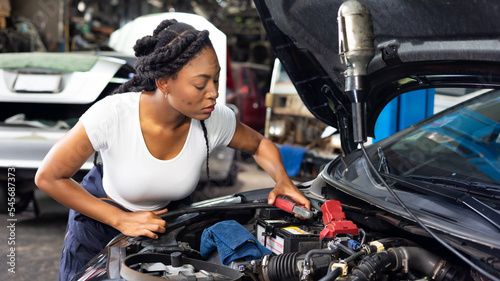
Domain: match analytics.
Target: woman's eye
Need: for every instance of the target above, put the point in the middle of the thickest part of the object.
(216, 81)
(200, 87)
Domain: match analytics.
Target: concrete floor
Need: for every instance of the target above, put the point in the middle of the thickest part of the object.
(38, 240)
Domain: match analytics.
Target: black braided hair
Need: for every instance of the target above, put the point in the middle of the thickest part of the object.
(202, 122)
(163, 54)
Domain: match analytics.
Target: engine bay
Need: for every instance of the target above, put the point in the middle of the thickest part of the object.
(344, 240)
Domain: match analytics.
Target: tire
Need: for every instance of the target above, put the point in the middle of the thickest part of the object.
(24, 195)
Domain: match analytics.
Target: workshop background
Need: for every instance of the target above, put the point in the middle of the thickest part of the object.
(56, 26)
(73, 25)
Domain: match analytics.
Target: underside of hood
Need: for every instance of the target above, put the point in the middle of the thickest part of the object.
(417, 44)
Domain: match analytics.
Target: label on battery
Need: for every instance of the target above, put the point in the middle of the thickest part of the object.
(296, 230)
(275, 244)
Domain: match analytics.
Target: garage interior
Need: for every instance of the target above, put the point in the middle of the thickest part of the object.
(85, 25)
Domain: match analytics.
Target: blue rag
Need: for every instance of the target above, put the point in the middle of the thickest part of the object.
(232, 241)
(292, 158)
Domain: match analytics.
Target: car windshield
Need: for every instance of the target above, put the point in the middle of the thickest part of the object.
(463, 145)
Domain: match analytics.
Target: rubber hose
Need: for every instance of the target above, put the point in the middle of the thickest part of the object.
(373, 265)
(309, 254)
(283, 267)
(429, 264)
(346, 249)
(418, 259)
(332, 275)
(355, 256)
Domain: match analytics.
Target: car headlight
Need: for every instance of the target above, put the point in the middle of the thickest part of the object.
(277, 128)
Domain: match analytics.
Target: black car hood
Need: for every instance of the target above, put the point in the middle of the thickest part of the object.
(417, 44)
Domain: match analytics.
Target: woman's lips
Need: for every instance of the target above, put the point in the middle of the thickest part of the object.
(208, 109)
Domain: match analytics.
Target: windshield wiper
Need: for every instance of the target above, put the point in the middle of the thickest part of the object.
(480, 188)
(382, 162)
(460, 197)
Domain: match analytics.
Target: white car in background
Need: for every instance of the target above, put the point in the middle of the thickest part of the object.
(43, 94)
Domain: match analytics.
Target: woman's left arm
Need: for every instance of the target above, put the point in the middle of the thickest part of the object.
(267, 155)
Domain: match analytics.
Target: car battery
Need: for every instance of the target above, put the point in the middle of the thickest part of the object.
(282, 236)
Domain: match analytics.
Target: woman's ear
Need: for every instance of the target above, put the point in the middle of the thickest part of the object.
(162, 84)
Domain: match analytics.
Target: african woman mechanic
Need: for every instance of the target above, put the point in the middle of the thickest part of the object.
(153, 138)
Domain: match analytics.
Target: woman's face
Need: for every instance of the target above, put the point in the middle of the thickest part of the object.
(194, 90)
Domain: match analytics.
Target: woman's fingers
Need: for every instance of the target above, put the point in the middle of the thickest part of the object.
(271, 198)
(159, 212)
(289, 190)
(153, 230)
(143, 223)
(300, 199)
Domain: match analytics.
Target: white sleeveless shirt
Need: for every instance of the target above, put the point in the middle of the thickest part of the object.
(132, 176)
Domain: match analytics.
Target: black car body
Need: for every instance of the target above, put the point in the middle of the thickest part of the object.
(422, 204)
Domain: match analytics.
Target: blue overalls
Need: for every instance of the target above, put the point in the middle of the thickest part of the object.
(84, 236)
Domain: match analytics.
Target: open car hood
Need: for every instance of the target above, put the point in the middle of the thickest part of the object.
(416, 44)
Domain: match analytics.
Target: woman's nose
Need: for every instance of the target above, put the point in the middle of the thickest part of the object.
(213, 93)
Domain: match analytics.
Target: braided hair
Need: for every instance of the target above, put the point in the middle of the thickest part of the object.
(172, 45)
(163, 54)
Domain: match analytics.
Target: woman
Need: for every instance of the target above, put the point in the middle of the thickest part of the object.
(153, 139)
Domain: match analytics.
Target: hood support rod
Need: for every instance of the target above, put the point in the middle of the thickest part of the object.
(356, 51)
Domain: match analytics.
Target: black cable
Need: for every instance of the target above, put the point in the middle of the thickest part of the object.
(441, 241)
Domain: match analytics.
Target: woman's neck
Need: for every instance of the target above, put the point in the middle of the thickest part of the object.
(155, 109)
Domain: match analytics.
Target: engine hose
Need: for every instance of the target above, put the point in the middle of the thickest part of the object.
(286, 267)
(283, 267)
(309, 254)
(355, 256)
(332, 275)
(306, 272)
(418, 259)
(373, 266)
(346, 249)
(430, 264)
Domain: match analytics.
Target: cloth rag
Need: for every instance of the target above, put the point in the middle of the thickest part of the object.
(232, 241)
(292, 158)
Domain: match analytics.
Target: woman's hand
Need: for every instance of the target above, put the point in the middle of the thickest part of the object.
(288, 189)
(267, 155)
(142, 223)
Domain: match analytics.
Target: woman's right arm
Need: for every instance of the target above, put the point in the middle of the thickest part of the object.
(54, 177)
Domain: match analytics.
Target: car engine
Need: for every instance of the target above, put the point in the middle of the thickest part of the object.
(343, 240)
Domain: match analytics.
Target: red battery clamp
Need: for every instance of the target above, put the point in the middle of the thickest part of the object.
(291, 207)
